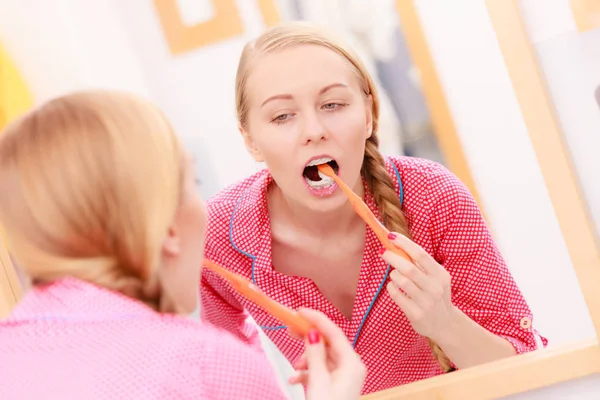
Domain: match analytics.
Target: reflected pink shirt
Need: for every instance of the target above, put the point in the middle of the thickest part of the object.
(75, 340)
(444, 219)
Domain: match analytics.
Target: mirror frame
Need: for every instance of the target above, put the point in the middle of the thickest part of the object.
(547, 366)
(10, 290)
(528, 371)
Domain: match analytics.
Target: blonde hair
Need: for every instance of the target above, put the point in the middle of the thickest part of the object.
(373, 169)
(90, 183)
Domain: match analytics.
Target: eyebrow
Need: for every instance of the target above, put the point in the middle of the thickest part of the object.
(289, 96)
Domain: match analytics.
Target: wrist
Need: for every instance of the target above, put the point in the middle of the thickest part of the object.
(450, 333)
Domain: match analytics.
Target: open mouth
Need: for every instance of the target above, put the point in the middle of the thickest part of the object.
(316, 179)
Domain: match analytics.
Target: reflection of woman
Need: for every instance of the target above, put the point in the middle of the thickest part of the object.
(104, 217)
(303, 99)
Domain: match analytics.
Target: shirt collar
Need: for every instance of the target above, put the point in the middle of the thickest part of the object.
(249, 225)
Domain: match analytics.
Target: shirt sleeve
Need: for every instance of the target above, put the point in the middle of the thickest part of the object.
(220, 308)
(482, 286)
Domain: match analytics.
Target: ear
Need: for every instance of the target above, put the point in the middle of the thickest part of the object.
(172, 243)
(369, 111)
(251, 146)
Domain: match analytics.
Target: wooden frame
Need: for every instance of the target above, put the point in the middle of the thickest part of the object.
(586, 14)
(15, 99)
(181, 38)
(225, 24)
(441, 117)
(528, 371)
(10, 290)
(549, 366)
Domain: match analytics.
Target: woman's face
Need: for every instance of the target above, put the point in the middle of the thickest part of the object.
(306, 107)
(183, 249)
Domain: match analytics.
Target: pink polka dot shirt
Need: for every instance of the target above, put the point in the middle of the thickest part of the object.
(75, 340)
(444, 219)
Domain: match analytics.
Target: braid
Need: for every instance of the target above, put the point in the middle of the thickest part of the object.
(381, 186)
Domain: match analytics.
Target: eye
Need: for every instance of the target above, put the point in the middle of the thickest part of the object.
(282, 118)
(333, 106)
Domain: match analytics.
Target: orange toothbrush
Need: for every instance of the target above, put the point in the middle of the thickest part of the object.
(245, 287)
(364, 212)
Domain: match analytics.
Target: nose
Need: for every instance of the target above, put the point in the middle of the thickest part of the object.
(313, 128)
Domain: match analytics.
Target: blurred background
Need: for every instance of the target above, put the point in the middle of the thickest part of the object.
(182, 54)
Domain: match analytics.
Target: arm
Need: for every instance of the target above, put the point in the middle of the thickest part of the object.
(492, 319)
(463, 297)
(424, 295)
(220, 308)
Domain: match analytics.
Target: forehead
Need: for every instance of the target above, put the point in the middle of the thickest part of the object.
(297, 69)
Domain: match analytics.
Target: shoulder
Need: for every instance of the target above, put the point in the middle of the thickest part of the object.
(241, 197)
(426, 179)
(224, 200)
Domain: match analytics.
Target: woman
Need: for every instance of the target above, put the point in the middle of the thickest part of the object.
(303, 99)
(103, 215)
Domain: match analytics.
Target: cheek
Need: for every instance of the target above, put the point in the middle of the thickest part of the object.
(200, 216)
(192, 217)
(350, 127)
(277, 149)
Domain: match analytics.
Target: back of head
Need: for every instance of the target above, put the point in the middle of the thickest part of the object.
(90, 183)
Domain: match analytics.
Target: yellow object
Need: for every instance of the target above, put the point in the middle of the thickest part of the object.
(586, 14)
(15, 99)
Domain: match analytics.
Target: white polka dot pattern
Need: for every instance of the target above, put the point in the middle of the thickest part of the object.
(444, 219)
(74, 340)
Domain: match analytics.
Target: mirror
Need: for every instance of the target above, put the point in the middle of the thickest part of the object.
(446, 97)
(569, 59)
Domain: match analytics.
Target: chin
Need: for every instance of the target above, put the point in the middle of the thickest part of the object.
(332, 202)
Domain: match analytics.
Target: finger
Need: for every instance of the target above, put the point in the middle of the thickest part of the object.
(408, 287)
(339, 345)
(408, 269)
(416, 252)
(407, 306)
(301, 363)
(295, 334)
(300, 378)
(318, 373)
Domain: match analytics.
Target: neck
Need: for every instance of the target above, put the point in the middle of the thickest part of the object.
(330, 223)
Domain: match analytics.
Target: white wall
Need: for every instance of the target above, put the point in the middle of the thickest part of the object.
(118, 44)
(587, 388)
(502, 159)
(570, 61)
(493, 132)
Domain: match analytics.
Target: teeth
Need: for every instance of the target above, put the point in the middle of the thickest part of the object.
(324, 177)
(319, 161)
(324, 182)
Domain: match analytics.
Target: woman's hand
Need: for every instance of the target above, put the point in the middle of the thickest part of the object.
(328, 372)
(422, 291)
